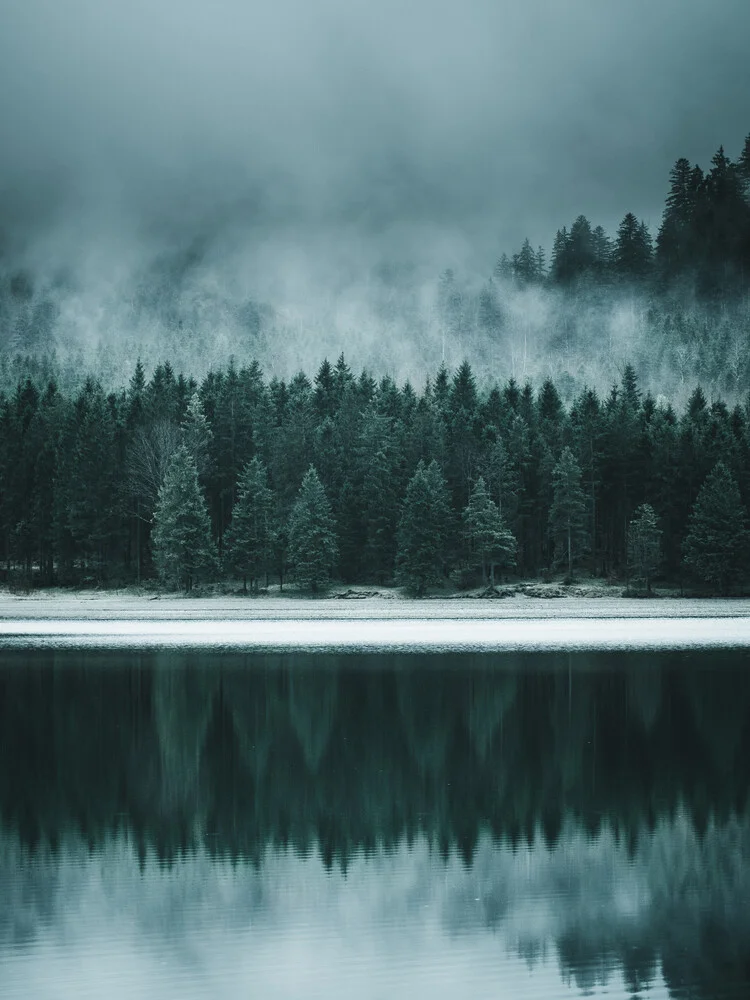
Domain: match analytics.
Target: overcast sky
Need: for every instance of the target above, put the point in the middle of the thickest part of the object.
(486, 120)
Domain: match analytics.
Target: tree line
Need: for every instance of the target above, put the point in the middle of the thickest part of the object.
(361, 480)
(703, 241)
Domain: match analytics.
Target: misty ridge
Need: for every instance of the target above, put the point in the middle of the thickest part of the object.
(97, 295)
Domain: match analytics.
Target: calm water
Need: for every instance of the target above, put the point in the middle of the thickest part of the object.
(195, 824)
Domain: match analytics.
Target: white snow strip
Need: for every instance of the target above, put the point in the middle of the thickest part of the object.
(383, 634)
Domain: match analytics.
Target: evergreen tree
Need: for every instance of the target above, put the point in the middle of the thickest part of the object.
(136, 390)
(351, 532)
(644, 544)
(525, 267)
(675, 242)
(503, 269)
(715, 548)
(541, 264)
(182, 545)
(312, 534)
(743, 164)
(421, 530)
(380, 517)
(443, 515)
(602, 252)
(561, 270)
(197, 435)
(567, 516)
(581, 250)
(633, 250)
(486, 531)
(249, 538)
(92, 489)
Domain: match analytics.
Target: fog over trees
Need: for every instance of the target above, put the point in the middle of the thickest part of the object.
(186, 247)
(674, 303)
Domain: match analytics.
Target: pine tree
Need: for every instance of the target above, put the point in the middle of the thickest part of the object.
(197, 435)
(503, 269)
(182, 545)
(443, 515)
(525, 265)
(249, 538)
(675, 240)
(602, 252)
(743, 164)
(580, 248)
(560, 271)
(633, 250)
(421, 530)
(486, 531)
(716, 544)
(644, 544)
(567, 516)
(312, 534)
(380, 516)
(351, 532)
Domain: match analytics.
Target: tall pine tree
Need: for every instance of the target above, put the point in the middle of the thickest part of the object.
(715, 548)
(567, 516)
(312, 534)
(249, 538)
(486, 531)
(181, 539)
(422, 530)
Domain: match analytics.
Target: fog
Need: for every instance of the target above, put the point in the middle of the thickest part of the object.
(285, 181)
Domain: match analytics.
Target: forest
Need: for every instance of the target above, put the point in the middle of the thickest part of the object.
(342, 477)
(461, 479)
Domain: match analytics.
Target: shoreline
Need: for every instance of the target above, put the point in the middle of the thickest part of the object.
(381, 635)
(128, 605)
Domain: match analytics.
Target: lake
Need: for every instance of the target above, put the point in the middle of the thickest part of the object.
(203, 823)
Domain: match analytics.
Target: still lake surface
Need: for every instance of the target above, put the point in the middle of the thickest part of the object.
(196, 823)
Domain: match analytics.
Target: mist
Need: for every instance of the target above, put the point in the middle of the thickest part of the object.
(285, 182)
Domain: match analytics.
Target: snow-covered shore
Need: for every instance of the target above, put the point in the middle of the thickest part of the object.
(126, 605)
(371, 624)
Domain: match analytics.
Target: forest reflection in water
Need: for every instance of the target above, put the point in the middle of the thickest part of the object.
(383, 825)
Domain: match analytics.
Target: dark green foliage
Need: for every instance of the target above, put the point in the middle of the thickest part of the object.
(633, 250)
(80, 476)
(715, 548)
(380, 502)
(312, 534)
(486, 531)
(644, 544)
(182, 546)
(197, 435)
(422, 530)
(249, 538)
(567, 516)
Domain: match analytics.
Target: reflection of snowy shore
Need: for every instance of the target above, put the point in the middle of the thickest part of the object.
(589, 910)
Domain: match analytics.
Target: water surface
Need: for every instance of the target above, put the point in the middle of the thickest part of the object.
(203, 824)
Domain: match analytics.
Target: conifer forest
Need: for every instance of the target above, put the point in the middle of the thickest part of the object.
(475, 475)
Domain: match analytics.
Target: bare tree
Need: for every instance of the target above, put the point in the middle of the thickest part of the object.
(149, 455)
